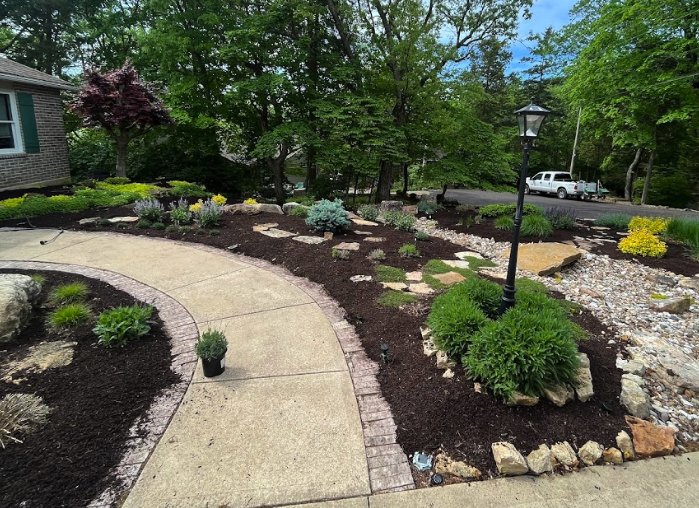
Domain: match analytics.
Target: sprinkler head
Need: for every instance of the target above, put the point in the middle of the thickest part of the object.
(384, 353)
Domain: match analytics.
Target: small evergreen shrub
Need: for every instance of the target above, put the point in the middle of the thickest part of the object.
(536, 225)
(215, 232)
(299, 211)
(396, 299)
(117, 326)
(211, 345)
(69, 316)
(143, 224)
(179, 212)
(618, 221)
(116, 180)
(38, 278)
(654, 225)
(399, 220)
(500, 210)
(377, 255)
(453, 320)
(466, 208)
(186, 189)
(421, 236)
(341, 254)
(158, 225)
(149, 209)
(368, 212)
(643, 243)
(104, 222)
(561, 218)
(409, 251)
(389, 274)
(75, 292)
(428, 208)
(328, 216)
(504, 223)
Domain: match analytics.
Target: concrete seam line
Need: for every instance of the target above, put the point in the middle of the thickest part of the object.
(183, 333)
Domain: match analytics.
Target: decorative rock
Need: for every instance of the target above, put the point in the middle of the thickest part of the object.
(17, 293)
(623, 441)
(361, 278)
(684, 373)
(356, 232)
(564, 454)
(519, 399)
(391, 205)
(277, 233)
(264, 227)
(599, 228)
(560, 396)
(420, 289)
(287, 207)
(634, 367)
(443, 361)
(411, 209)
(347, 246)
(613, 456)
(650, 440)
(444, 465)
(468, 254)
(509, 461)
(116, 220)
(91, 221)
(253, 209)
(426, 333)
(590, 453)
(634, 399)
(672, 305)
(584, 391)
(448, 374)
(634, 379)
(413, 276)
(545, 258)
(449, 278)
(539, 461)
(375, 239)
(477, 388)
(396, 286)
(362, 222)
(689, 282)
(311, 240)
(328, 235)
(592, 293)
(429, 348)
(456, 264)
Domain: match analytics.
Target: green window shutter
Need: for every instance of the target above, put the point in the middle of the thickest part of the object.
(28, 121)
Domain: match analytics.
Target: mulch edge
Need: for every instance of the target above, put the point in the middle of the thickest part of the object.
(183, 333)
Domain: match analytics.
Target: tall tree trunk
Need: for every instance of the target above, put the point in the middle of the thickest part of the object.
(383, 189)
(277, 167)
(628, 188)
(649, 172)
(122, 147)
(405, 179)
(311, 167)
(440, 197)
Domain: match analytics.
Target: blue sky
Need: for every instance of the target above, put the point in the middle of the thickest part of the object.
(545, 13)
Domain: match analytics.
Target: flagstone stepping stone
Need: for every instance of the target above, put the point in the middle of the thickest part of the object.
(545, 258)
(456, 264)
(361, 278)
(599, 228)
(353, 215)
(420, 289)
(362, 232)
(468, 254)
(415, 276)
(374, 239)
(90, 221)
(396, 286)
(116, 220)
(347, 246)
(311, 240)
(277, 233)
(265, 227)
(362, 222)
(449, 278)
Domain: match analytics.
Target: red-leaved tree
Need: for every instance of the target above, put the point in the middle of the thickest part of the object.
(124, 105)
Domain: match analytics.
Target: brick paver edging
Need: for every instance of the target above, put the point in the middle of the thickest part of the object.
(181, 329)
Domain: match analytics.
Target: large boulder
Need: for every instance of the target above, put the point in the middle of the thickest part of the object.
(391, 205)
(545, 258)
(17, 293)
(287, 207)
(651, 440)
(253, 209)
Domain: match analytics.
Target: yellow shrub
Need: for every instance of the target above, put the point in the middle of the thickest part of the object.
(143, 189)
(250, 201)
(642, 243)
(61, 198)
(219, 200)
(177, 183)
(196, 207)
(11, 203)
(653, 225)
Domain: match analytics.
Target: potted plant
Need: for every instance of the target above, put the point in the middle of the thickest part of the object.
(211, 348)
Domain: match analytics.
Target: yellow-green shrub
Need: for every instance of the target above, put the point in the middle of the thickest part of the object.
(653, 225)
(643, 243)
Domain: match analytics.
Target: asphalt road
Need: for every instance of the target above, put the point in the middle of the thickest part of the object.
(586, 209)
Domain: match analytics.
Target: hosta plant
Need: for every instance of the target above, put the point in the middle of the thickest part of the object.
(117, 326)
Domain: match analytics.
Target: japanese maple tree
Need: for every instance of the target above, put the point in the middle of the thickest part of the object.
(121, 103)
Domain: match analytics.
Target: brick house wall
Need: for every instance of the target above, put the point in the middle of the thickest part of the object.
(50, 165)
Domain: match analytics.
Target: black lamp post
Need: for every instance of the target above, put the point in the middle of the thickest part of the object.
(530, 119)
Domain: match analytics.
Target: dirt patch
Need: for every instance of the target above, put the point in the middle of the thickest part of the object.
(44, 356)
(94, 400)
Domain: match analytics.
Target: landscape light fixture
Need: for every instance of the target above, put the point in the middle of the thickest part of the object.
(437, 479)
(384, 352)
(530, 120)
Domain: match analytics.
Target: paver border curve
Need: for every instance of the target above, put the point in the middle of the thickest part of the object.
(388, 467)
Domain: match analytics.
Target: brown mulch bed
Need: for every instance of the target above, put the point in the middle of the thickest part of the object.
(94, 401)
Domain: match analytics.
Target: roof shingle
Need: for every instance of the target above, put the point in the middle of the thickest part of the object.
(10, 69)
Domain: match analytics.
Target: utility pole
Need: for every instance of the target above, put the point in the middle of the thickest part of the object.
(575, 144)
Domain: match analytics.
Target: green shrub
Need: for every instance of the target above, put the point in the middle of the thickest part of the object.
(38, 278)
(396, 299)
(389, 274)
(143, 224)
(399, 220)
(453, 320)
(524, 352)
(421, 236)
(69, 316)
(466, 208)
(505, 223)
(149, 209)
(211, 345)
(208, 213)
(368, 212)
(158, 225)
(428, 208)
(117, 180)
(75, 292)
(122, 225)
(328, 216)
(186, 229)
(179, 212)
(185, 189)
(484, 293)
(536, 225)
(685, 231)
(561, 218)
(341, 254)
(618, 221)
(530, 286)
(104, 222)
(117, 326)
(500, 210)
(666, 190)
(377, 255)
(299, 211)
(409, 251)
(171, 228)
(215, 232)
(436, 266)
(20, 415)
(476, 264)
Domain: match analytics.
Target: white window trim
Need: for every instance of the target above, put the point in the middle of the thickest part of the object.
(16, 130)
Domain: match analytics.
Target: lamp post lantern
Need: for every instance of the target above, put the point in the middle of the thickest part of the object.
(530, 120)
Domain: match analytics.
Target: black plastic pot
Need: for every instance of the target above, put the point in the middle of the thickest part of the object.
(215, 366)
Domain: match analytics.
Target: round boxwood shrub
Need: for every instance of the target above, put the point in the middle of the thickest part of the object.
(328, 216)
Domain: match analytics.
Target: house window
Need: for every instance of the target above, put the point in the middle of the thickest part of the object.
(10, 141)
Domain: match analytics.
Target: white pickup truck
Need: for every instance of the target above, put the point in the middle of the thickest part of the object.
(556, 182)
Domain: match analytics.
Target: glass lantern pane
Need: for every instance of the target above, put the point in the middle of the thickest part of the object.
(534, 124)
(521, 119)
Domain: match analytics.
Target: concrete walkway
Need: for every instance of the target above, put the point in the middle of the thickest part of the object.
(281, 427)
